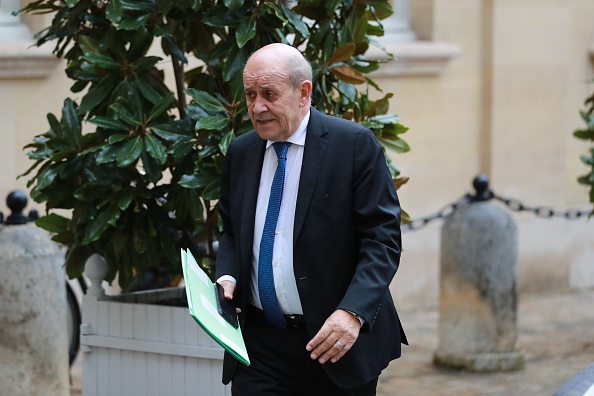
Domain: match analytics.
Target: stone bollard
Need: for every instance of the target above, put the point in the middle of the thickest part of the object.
(478, 280)
(33, 336)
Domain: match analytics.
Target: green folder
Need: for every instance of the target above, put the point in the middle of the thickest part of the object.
(202, 303)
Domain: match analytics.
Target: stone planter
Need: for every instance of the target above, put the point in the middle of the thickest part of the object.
(134, 346)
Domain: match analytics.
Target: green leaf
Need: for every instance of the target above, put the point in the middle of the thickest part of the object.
(161, 29)
(55, 125)
(88, 44)
(125, 114)
(219, 162)
(125, 199)
(114, 11)
(216, 122)
(117, 138)
(212, 191)
(129, 152)
(587, 160)
(102, 61)
(47, 177)
(331, 6)
(233, 5)
(195, 180)
(98, 92)
(234, 68)
(71, 123)
(147, 90)
(207, 151)
(107, 154)
(195, 112)
(171, 46)
(76, 259)
(151, 167)
(92, 192)
(188, 204)
(383, 10)
(386, 118)
(380, 106)
(171, 132)
(205, 100)
(297, 23)
(109, 123)
(155, 148)
(246, 31)
(584, 134)
(140, 43)
(95, 230)
(53, 223)
(161, 107)
(225, 142)
(398, 145)
(181, 148)
(219, 17)
(134, 23)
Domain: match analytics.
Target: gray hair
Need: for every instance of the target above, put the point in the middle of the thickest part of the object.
(299, 70)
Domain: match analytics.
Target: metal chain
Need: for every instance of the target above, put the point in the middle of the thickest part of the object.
(484, 195)
(542, 211)
(446, 211)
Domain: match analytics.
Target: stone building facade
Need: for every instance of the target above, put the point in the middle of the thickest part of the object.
(486, 86)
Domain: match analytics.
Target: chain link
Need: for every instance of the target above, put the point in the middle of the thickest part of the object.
(543, 211)
(512, 203)
(446, 211)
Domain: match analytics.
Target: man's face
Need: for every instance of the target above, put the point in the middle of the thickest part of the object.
(274, 106)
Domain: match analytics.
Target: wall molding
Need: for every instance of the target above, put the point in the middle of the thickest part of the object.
(20, 60)
(414, 58)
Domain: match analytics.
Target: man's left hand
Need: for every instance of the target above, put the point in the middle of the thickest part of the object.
(335, 338)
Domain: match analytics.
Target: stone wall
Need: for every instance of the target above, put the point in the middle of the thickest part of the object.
(489, 87)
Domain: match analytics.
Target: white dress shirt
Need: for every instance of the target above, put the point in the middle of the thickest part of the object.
(282, 256)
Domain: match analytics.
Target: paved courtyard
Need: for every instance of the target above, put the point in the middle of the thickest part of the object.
(556, 333)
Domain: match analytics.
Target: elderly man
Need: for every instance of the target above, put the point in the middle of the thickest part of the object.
(310, 241)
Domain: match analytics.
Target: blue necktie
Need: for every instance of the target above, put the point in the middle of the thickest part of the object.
(266, 288)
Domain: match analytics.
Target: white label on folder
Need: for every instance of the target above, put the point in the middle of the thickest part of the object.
(213, 311)
(201, 274)
(233, 346)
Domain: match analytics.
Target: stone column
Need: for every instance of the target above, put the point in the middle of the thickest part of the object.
(33, 336)
(11, 27)
(478, 295)
(397, 26)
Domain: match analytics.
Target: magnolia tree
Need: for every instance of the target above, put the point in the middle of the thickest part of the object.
(588, 134)
(136, 159)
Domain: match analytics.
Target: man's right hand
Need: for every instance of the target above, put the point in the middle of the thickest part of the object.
(229, 288)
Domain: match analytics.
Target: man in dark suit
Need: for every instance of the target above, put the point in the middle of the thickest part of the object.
(328, 247)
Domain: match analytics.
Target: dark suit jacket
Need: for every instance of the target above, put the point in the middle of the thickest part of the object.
(346, 238)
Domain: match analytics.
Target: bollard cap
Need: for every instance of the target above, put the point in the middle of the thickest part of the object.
(16, 201)
(481, 186)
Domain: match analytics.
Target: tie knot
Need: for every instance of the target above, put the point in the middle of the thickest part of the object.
(281, 149)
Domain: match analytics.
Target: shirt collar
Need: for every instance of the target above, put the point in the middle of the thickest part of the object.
(298, 137)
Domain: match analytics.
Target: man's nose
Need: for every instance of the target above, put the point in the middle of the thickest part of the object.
(260, 106)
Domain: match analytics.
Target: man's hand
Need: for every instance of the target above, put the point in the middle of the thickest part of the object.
(335, 338)
(229, 288)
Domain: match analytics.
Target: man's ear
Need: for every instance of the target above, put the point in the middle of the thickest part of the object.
(305, 93)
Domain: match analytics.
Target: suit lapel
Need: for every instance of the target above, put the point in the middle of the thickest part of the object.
(251, 179)
(313, 158)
